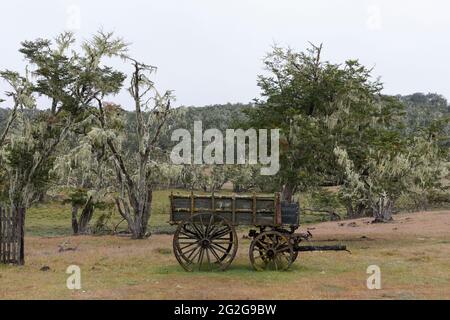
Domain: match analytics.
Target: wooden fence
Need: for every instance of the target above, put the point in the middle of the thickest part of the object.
(12, 235)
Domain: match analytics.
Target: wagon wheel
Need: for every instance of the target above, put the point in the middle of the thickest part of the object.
(271, 250)
(205, 242)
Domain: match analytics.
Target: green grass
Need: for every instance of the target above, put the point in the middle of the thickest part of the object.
(50, 219)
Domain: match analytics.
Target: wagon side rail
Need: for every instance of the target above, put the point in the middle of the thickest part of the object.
(238, 209)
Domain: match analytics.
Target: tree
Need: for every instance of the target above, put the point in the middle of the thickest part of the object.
(422, 110)
(69, 81)
(389, 173)
(21, 96)
(244, 177)
(83, 167)
(392, 162)
(430, 167)
(316, 104)
(213, 177)
(133, 171)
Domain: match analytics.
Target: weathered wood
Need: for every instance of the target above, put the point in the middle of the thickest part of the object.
(2, 250)
(12, 236)
(8, 234)
(277, 209)
(321, 248)
(233, 208)
(238, 209)
(21, 231)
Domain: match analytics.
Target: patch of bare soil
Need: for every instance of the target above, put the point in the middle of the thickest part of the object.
(418, 224)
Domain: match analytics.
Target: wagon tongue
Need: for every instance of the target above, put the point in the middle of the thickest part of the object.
(322, 248)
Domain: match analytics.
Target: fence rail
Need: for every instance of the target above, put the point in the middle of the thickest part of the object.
(12, 235)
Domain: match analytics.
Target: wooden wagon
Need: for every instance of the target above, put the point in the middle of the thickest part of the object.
(206, 237)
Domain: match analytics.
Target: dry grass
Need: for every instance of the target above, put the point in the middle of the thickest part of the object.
(413, 254)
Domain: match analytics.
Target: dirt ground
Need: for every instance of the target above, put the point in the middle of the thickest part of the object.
(413, 254)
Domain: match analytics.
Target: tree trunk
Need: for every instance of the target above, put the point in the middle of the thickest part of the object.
(287, 193)
(81, 225)
(357, 211)
(74, 219)
(142, 213)
(350, 210)
(383, 209)
(140, 225)
(86, 216)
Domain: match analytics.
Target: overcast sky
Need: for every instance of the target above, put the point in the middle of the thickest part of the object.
(210, 51)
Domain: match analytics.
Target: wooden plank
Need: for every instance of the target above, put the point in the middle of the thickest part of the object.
(4, 235)
(171, 206)
(254, 209)
(244, 218)
(1, 236)
(181, 203)
(8, 235)
(233, 209)
(22, 236)
(243, 205)
(15, 256)
(11, 235)
(192, 203)
(224, 205)
(265, 219)
(16, 230)
(180, 196)
(278, 220)
(202, 204)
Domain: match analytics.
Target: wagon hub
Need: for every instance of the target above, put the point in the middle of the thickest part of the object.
(205, 243)
(270, 253)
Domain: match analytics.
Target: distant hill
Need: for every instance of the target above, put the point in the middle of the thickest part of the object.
(420, 110)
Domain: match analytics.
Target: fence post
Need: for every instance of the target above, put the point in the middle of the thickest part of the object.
(20, 218)
(1, 236)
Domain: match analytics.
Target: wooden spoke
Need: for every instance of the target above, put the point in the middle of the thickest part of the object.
(189, 245)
